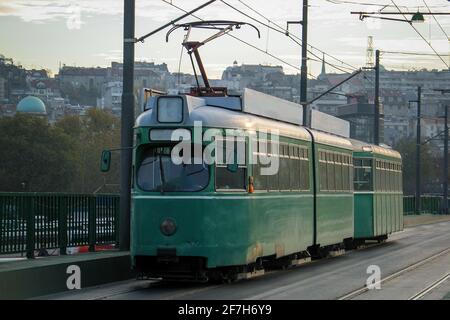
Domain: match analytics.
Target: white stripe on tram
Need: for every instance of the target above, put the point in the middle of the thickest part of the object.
(224, 197)
(239, 197)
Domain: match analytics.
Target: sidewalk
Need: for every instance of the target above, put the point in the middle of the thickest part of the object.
(415, 220)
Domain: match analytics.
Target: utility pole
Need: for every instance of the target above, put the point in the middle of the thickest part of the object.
(376, 116)
(418, 144)
(127, 121)
(445, 204)
(304, 66)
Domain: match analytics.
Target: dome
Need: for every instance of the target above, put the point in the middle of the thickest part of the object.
(31, 104)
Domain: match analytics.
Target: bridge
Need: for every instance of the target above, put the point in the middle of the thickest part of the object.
(43, 234)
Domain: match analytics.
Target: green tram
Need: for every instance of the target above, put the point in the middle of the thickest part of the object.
(377, 191)
(217, 221)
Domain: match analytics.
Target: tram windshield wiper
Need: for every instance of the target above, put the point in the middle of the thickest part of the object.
(161, 172)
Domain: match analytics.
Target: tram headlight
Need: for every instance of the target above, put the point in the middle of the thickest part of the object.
(170, 109)
(168, 227)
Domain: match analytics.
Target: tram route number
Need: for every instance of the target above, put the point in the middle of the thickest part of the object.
(226, 310)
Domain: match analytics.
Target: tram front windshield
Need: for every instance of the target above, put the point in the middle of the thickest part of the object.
(157, 172)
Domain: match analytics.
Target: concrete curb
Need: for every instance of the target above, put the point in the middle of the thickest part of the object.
(416, 220)
(44, 276)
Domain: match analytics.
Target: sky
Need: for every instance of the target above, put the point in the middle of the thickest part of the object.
(49, 33)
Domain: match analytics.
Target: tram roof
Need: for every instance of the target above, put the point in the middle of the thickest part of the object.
(360, 146)
(229, 113)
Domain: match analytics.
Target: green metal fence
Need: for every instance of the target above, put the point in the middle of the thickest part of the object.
(34, 221)
(430, 204)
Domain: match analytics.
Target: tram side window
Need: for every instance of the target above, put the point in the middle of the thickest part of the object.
(259, 180)
(396, 184)
(304, 168)
(345, 173)
(273, 180)
(391, 177)
(330, 172)
(338, 171)
(397, 173)
(350, 172)
(284, 176)
(231, 175)
(376, 175)
(323, 170)
(388, 176)
(362, 174)
(294, 165)
(383, 176)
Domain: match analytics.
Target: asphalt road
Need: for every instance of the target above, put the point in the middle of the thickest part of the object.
(330, 278)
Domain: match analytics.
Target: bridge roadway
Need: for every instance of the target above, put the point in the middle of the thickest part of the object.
(330, 278)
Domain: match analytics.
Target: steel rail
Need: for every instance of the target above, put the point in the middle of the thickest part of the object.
(430, 287)
(409, 268)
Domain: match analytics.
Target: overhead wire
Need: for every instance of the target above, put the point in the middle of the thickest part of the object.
(423, 38)
(240, 40)
(284, 31)
(413, 53)
(434, 17)
(374, 4)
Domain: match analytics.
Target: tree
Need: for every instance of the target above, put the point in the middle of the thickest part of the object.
(34, 155)
(101, 130)
(61, 158)
(429, 165)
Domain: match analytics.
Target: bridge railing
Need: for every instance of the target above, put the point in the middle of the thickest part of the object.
(430, 204)
(31, 222)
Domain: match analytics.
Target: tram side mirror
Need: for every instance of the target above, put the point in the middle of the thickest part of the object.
(232, 167)
(105, 163)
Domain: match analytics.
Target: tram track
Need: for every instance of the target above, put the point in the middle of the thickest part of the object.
(407, 250)
(401, 272)
(430, 287)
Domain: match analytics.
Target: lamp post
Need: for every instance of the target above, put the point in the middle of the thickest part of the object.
(445, 182)
(304, 64)
(304, 67)
(376, 117)
(418, 145)
(127, 119)
(418, 182)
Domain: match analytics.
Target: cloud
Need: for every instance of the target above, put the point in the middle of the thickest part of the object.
(332, 28)
(5, 9)
(50, 10)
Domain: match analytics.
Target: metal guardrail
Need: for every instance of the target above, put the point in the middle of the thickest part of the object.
(430, 204)
(35, 221)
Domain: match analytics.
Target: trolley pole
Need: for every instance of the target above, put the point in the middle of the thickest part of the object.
(445, 185)
(418, 144)
(127, 120)
(304, 66)
(376, 116)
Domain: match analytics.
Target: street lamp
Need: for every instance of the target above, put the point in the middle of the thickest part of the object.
(417, 17)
